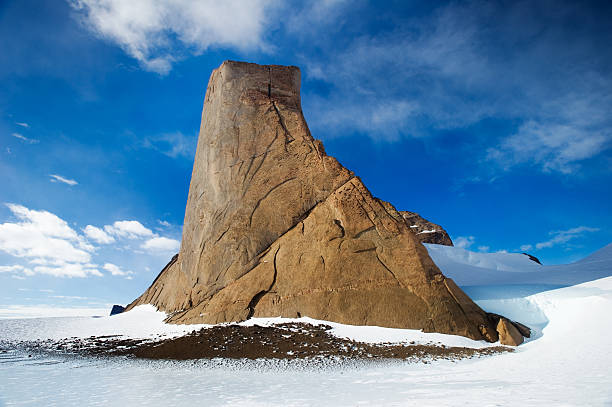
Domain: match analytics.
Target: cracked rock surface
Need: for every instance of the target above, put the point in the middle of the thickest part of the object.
(276, 227)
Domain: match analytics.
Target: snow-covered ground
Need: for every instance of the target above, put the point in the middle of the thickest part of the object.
(568, 362)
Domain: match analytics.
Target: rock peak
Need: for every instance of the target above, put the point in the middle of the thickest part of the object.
(276, 227)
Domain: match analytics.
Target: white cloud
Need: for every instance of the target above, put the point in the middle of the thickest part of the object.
(483, 248)
(131, 229)
(464, 242)
(164, 223)
(69, 270)
(564, 236)
(157, 32)
(23, 124)
(161, 244)
(42, 235)
(98, 235)
(24, 138)
(526, 247)
(48, 245)
(46, 242)
(59, 178)
(116, 270)
(15, 268)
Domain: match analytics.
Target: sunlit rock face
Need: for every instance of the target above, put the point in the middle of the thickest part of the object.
(276, 227)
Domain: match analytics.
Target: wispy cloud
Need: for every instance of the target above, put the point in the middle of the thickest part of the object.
(301, 18)
(453, 69)
(173, 145)
(59, 178)
(157, 33)
(24, 138)
(23, 124)
(560, 237)
(464, 242)
(552, 146)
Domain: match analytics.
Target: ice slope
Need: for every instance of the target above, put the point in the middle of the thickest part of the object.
(509, 275)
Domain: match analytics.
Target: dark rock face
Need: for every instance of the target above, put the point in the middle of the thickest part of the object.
(532, 258)
(276, 227)
(117, 309)
(426, 231)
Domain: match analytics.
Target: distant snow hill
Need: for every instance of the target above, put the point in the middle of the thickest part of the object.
(510, 275)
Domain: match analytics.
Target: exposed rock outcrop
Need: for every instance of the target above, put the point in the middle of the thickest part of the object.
(276, 227)
(426, 231)
(508, 333)
(532, 258)
(117, 309)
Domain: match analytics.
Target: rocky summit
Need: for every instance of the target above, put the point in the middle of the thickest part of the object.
(276, 227)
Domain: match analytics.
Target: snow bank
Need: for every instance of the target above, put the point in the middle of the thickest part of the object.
(45, 311)
(469, 268)
(142, 322)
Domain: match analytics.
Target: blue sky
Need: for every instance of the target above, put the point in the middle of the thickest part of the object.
(489, 118)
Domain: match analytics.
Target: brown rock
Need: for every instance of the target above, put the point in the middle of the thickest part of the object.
(523, 329)
(426, 231)
(275, 227)
(508, 333)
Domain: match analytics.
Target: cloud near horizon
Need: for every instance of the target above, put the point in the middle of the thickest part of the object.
(560, 237)
(48, 245)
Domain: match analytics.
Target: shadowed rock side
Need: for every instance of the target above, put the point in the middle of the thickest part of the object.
(426, 231)
(275, 227)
